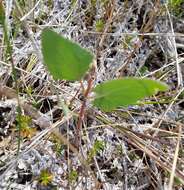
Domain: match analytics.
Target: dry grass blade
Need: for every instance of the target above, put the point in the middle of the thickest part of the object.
(173, 41)
(172, 175)
(152, 153)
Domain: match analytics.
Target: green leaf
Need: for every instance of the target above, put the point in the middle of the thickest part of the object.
(64, 58)
(125, 92)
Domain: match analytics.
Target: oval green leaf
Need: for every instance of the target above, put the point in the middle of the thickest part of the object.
(125, 92)
(64, 58)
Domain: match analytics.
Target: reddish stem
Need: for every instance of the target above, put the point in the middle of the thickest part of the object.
(82, 110)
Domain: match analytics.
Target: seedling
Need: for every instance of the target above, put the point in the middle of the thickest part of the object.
(68, 60)
(73, 175)
(45, 177)
(58, 147)
(97, 147)
(24, 126)
(99, 25)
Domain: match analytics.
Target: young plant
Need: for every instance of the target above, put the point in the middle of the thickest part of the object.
(67, 60)
(97, 147)
(72, 177)
(99, 25)
(45, 177)
(24, 122)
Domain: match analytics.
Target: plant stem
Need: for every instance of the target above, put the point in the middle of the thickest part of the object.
(82, 109)
(9, 58)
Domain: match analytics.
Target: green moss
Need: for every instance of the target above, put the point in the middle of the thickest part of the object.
(98, 145)
(176, 7)
(99, 25)
(73, 175)
(45, 177)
